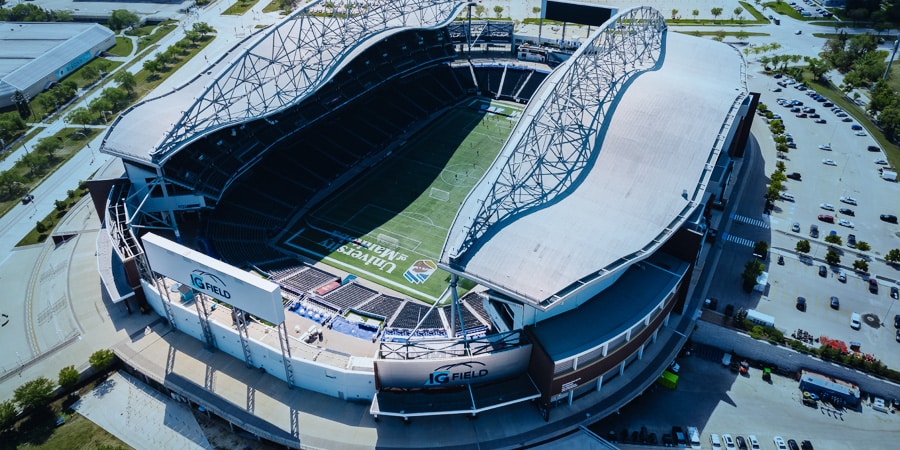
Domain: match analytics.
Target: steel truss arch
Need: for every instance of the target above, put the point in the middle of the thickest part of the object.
(562, 128)
(295, 58)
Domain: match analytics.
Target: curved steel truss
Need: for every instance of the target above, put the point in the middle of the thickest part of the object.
(557, 138)
(296, 57)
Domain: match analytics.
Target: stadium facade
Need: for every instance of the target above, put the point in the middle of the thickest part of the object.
(582, 235)
(36, 55)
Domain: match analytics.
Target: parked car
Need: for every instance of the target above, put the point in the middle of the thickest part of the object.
(873, 285)
(889, 218)
(801, 301)
(845, 223)
(856, 127)
(728, 441)
(895, 293)
(779, 443)
(846, 119)
(847, 211)
(829, 162)
(821, 121)
(854, 320)
(842, 276)
(754, 442)
(873, 148)
(792, 445)
(848, 200)
(826, 206)
(851, 240)
(741, 443)
(897, 321)
(825, 147)
(795, 227)
(826, 218)
(823, 272)
(795, 176)
(835, 303)
(814, 231)
(806, 445)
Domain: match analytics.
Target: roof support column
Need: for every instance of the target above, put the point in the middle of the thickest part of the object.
(169, 210)
(454, 305)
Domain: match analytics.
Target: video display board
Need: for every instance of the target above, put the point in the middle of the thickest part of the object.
(212, 277)
(577, 12)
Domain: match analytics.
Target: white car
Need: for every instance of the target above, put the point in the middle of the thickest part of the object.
(848, 200)
(845, 223)
(754, 443)
(798, 32)
(861, 133)
(881, 162)
(795, 227)
(829, 162)
(826, 206)
(729, 442)
(779, 443)
(786, 196)
(825, 147)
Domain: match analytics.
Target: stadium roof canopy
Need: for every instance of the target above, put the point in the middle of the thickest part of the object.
(611, 156)
(34, 54)
(272, 71)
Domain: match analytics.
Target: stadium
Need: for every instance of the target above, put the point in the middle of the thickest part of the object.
(469, 229)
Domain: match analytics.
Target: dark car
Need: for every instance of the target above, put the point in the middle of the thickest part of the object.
(895, 293)
(828, 104)
(792, 445)
(806, 445)
(889, 218)
(873, 148)
(851, 240)
(821, 121)
(847, 211)
(741, 442)
(847, 119)
(873, 285)
(801, 301)
(794, 176)
(27, 199)
(823, 271)
(835, 303)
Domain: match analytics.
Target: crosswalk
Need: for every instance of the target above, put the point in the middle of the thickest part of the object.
(762, 223)
(739, 240)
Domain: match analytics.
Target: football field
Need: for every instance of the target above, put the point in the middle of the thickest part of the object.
(389, 224)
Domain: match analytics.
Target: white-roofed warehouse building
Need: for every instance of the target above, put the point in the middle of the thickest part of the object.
(33, 56)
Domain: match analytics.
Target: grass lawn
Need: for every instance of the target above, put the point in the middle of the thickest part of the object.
(77, 433)
(150, 35)
(239, 8)
(398, 213)
(274, 5)
(123, 47)
(720, 32)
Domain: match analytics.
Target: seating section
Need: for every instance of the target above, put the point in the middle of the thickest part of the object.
(350, 295)
(383, 307)
(307, 280)
(413, 314)
(472, 323)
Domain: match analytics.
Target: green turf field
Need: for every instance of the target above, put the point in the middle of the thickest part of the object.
(390, 223)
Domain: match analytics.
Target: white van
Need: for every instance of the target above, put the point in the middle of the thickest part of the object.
(854, 320)
(693, 435)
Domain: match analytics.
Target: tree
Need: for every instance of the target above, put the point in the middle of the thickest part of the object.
(121, 19)
(34, 394)
(7, 415)
(780, 167)
(60, 205)
(101, 359)
(761, 249)
(479, 10)
(863, 246)
(737, 13)
(192, 36)
(126, 81)
(741, 35)
(716, 12)
(834, 239)
(832, 257)
(695, 13)
(153, 66)
(35, 161)
(802, 246)
(536, 10)
(893, 256)
(752, 270)
(11, 183)
(719, 36)
(80, 116)
(498, 10)
(48, 145)
(860, 265)
(90, 73)
(68, 378)
(115, 96)
(674, 13)
(203, 28)
(816, 66)
(773, 192)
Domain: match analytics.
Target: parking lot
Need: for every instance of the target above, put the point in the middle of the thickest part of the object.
(717, 400)
(855, 176)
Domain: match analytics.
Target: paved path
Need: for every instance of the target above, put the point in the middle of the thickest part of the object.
(140, 416)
